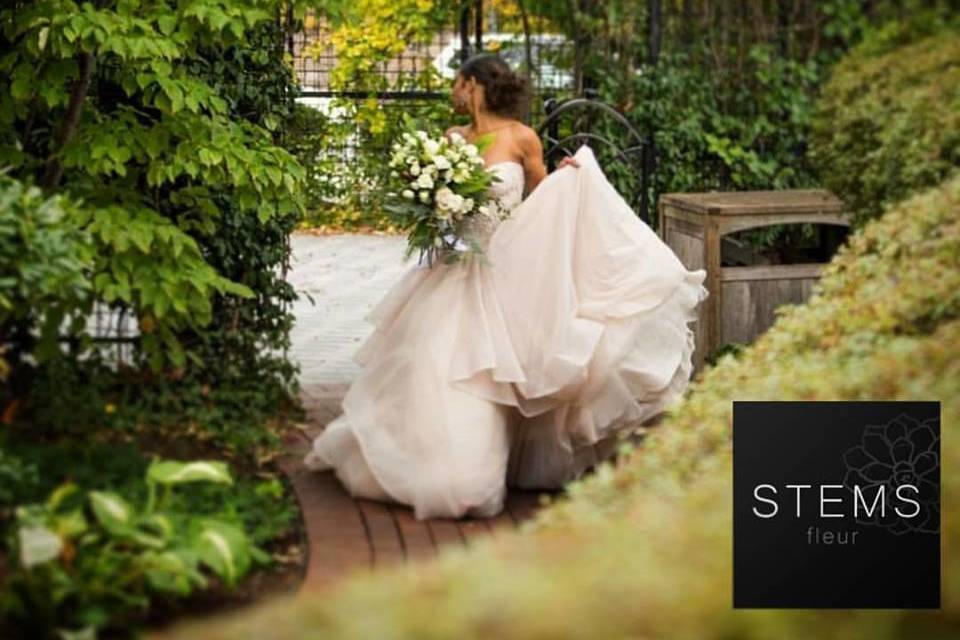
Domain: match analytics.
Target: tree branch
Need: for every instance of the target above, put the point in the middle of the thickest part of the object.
(68, 128)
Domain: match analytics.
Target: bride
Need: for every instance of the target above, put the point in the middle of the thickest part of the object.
(522, 369)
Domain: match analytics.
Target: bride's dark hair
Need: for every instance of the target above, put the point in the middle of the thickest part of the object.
(506, 92)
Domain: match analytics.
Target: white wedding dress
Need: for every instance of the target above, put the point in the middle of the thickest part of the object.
(521, 371)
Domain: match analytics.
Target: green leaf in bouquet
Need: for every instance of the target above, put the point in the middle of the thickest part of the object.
(483, 142)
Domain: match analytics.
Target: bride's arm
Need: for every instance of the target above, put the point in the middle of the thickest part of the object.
(533, 167)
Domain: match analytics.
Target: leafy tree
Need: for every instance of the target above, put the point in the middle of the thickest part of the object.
(107, 103)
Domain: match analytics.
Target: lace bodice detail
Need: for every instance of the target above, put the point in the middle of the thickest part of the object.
(508, 191)
(510, 188)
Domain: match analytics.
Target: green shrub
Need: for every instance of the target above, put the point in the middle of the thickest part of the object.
(888, 122)
(644, 549)
(83, 561)
(159, 122)
(17, 477)
(45, 258)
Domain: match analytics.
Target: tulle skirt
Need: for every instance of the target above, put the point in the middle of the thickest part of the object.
(521, 371)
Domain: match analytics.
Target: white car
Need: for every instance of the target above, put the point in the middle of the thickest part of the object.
(547, 50)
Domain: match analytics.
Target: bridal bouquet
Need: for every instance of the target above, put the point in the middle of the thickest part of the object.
(436, 184)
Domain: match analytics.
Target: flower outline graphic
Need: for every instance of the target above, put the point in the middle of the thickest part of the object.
(902, 451)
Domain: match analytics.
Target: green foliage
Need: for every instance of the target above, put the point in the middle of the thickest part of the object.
(888, 123)
(84, 561)
(45, 259)
(710, 134)
(17, 477)
(348, 193)
(248, 376)
(730, 102)
(74, 399)
(345, 190)
(106, 103)
(176, 177)
(259, 503)
(654, 531)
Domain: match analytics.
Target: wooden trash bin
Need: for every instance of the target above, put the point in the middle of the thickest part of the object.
(742, 298)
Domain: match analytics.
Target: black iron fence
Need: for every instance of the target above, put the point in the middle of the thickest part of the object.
(419, 82)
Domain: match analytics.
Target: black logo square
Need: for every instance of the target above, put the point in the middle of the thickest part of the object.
(836, 504)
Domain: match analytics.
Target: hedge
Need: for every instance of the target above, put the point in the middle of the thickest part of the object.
(888, 121)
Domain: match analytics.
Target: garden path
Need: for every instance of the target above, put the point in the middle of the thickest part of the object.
(346, 274)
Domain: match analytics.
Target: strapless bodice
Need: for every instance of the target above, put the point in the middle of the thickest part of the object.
(510, 188)
(508, 191)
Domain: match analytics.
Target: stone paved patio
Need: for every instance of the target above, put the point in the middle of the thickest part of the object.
(346, 275)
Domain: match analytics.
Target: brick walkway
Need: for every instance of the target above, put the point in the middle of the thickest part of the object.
(347, 535)
(346, 275)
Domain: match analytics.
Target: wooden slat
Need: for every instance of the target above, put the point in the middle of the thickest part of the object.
(338, 541)
(803, 270)
(346, 535)
(417, 543)
(445, 533)
(473, 529)
(382, 529)
(756, 202)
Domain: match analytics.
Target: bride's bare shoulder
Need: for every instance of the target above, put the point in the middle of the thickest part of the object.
(528, 140)
(525, 133)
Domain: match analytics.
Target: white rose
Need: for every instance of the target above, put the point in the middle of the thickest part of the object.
(467, 205)
(424, 197)
(422, 135)
(446, 199)
(456, 137)
(448, 175)
(470, 151)
(425, 181)
(415, 169)
(408, 194)
(441, 162)
(431, 147)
